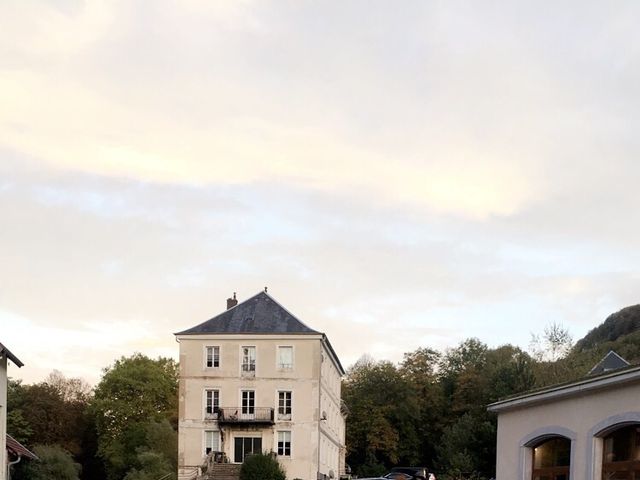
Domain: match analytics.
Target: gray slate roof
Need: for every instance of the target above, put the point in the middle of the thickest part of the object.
(611, 361)
(259, 314)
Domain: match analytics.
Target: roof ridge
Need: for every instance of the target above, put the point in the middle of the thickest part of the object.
(258, 314)
(286, 310)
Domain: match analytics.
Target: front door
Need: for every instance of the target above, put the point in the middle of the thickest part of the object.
(244, 446)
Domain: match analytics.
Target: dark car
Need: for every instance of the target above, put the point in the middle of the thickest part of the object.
(413, 473)
(391, 476)
(398, 476)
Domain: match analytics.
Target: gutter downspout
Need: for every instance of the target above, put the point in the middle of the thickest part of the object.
(9, 464)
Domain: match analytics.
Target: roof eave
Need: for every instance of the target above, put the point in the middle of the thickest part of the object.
(333, 353)
(245, 334)
(18, 449)
(4, 350)
(564, 391)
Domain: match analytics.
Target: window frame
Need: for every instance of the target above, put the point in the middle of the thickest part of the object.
(250, 371)
(630, 467)
(284, 442)
(553, 470)
(281, 367)
(243, 453)
(250, 409)
(205, 438)
(213, 357)
(214, 409)
(286, 417)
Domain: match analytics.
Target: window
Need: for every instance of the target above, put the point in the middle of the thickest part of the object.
(284, 443)
(248, 361)
(248, 403)
(551, 459)
(285, 358)
(212, 403)
(244, 446)
(622, 454)
(211, 441)
(213, 357)
(284, 405)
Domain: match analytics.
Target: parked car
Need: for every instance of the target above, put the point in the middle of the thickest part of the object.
(412, 473)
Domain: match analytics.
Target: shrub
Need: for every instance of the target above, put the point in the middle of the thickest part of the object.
(55, 462)
(261, 467)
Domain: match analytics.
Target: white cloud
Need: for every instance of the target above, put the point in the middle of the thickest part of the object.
(447, 168)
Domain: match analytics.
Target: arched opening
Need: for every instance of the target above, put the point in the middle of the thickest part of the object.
(552, 459)
(621, 454)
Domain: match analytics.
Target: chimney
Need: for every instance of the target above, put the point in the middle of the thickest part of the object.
(232, 302)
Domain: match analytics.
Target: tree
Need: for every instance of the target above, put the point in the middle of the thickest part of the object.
(133, 393)
(384, 411)
(551, 351)
(468, 446)
(56, 410)
(69, 389)
(554, 344)
(18, 427)
(54, 462)
(151, 466)
(420, 369)
(261, 467)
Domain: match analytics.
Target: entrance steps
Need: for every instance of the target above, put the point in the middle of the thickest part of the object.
(223, 471)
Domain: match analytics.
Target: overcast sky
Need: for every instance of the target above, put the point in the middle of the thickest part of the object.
(400, 174)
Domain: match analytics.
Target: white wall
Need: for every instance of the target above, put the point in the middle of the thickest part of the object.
(579, 417)
(303, 381)
(332, 430)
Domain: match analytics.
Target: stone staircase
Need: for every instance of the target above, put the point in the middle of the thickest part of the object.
(223, 471)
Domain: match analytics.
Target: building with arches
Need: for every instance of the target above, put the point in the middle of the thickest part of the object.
(584, 430)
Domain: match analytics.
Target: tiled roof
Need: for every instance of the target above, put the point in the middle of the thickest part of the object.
(4, 350)
(16, 448)
(611, 361)
(259, 314)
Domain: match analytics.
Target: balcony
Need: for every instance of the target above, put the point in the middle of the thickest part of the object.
(249, 369)
(256, 415)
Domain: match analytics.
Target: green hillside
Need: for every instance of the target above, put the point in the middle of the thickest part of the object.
(619, 324)
(619, 332)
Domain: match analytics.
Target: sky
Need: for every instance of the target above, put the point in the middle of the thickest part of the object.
(399, 174)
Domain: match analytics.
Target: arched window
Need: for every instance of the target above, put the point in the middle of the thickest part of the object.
(621, 452)
(551, 459)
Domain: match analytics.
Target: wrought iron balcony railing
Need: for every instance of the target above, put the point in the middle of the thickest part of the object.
(235, 415)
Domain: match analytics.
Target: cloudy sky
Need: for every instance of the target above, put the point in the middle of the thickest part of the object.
(400, 174)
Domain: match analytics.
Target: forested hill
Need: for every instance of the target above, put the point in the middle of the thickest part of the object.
(619, 324)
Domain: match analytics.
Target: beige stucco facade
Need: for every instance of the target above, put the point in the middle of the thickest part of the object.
(583, 412)
(316, 424)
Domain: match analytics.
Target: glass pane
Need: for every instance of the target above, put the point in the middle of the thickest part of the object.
(237, 451)
(257, 445)
(618, 445)
(286, 357)
(555, 452)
